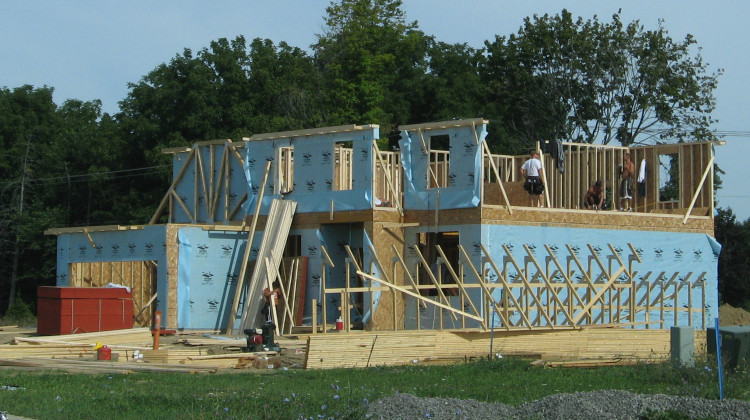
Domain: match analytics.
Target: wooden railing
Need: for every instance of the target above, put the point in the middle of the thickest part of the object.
(584, 164)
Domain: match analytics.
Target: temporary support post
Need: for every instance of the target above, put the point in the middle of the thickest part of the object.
(486, 150)
(434, 281)
(326, 261)
(459, 283)
(388, 180)
(709, 167)
(452, 310)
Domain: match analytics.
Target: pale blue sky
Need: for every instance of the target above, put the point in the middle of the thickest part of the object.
(91, 49)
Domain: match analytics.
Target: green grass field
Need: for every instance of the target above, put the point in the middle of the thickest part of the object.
(340, 393)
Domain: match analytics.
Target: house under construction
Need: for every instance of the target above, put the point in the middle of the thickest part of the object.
(437, 235)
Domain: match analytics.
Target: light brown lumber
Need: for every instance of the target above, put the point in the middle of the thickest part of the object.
(353, 350)
(237, 342)
(246, 256)
(112, 346)
(590, 363)
(452, 310)
(233, 355)
(100, 366)
(134, 335)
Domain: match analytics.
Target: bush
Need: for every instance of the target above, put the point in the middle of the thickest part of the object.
(19, 313)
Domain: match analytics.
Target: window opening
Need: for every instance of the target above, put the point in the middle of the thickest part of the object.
(342, 168)
(437, 176)
(669, 178)
(284, 170)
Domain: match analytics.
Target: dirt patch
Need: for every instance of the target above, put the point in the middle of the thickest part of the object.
(8, 332)
(729, 315)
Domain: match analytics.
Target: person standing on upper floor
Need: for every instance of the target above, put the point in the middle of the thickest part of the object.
(534, 185)
(627, 171)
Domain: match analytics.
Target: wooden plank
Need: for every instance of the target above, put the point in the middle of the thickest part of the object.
(443, 124)
(418, 296)
(275, 234)
(246, 256)
(312, 132)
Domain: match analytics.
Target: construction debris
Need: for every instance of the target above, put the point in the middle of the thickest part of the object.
(131, 351)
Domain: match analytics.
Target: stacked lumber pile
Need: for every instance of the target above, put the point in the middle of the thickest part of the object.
(132, 350)
(364, 349)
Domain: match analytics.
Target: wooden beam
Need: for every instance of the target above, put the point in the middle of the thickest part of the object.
(522, 275)
(171, 189)
(243, 268)
(480, 281)
(407, 274)
(486, 149)
(428, 270)
(418, 296)
(459, 283)
(312, 132)
(388, 180)
(506, 285)
(443, 124)
(709, 168)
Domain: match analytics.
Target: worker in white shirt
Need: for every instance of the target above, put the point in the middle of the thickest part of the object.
(534, 185)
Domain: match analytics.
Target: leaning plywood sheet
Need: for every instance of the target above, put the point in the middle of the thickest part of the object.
(269, 257)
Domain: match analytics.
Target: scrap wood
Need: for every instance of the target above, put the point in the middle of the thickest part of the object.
(100, 366)
(218, 363)
(215, 342)
(33, 344)
(233, 355)
(43, 352)
(134, 335)
(589, 362)
(112, 346)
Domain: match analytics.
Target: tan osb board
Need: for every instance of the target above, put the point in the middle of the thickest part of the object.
(414, 347)
(514, 190)
(597, 219)
(382, 238)
(172, 262)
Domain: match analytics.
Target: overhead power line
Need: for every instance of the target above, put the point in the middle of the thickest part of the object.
(87, 177)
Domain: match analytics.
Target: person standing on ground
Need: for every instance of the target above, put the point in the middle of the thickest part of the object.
(534, 185)
(627, 171)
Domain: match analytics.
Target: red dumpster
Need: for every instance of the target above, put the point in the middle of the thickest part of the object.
(70, 310)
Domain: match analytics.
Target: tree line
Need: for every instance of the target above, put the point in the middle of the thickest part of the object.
(557, 77)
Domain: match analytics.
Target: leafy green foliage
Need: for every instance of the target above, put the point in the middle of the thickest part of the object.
(592, 81)
(19, 313)
(368, 56)
(734, 260)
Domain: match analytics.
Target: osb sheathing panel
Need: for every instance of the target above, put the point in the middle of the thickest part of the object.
(315, 220)
(513, 190)
(172, 259)
(600, 219)
(590, 219)
(382, 238)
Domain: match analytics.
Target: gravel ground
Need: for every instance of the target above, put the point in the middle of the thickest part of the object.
(582, 405)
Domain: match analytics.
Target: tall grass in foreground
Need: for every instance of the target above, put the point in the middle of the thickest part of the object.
(340, 393)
